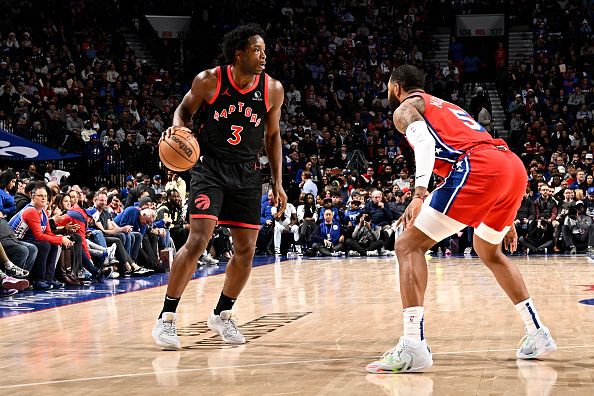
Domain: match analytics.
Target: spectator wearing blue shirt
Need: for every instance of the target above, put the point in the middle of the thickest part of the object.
(267, 225)
(7, 182)
(328, 237)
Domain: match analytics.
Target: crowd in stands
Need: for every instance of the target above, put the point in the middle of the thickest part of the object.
(69, 80)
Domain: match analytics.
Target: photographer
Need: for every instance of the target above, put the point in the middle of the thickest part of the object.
(525, 215)
(539, 237)
(578, 230)
(365, 240)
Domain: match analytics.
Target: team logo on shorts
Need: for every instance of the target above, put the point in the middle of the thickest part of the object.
(202, 202)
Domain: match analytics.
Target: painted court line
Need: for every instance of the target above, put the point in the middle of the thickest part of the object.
(254, 365)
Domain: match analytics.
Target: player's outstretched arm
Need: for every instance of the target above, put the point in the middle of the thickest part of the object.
(273, 142)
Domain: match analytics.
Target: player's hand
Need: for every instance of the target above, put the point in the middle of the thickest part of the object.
(279, 197)
(411, 212)
(510, 240)
(166, 133)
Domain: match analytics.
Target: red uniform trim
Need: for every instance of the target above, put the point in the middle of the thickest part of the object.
(239, 224)
(204, 216)
(216, 94)
(268, 105)
(244, 91)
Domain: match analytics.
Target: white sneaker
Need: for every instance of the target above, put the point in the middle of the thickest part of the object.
(404, 357)
(111, 252)
(538, 345)
(298, 250)
(354, 253)
(224, 325)
(165, 333)
(372, 253)
(207, 259)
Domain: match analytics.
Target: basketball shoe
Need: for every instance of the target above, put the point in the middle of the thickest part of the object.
(537, 345)
(404, 357)
(165, 333)
(224, 325)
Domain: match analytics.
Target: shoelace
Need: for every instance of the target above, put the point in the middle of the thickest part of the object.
(230, 325)
(169, 327)
(526, 343)
(388, 356)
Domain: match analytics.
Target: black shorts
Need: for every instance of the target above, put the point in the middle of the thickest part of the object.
(228, 192)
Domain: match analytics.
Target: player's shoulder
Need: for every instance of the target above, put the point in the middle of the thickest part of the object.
(274, 84)
(207, 78)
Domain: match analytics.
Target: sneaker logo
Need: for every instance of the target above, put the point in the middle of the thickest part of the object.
(226, 92)
(202, 202)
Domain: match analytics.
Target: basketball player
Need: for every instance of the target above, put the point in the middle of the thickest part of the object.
(484, 187)
(241, 106)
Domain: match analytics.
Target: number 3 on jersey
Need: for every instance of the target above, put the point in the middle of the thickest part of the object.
(236, 135)
(467, 120)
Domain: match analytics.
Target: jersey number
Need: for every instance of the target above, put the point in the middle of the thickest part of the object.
(467, 120)
(236, 134)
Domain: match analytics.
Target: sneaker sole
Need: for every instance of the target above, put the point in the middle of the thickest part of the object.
(166, 346)
(375, 369)
(17, 284)
(544, 352)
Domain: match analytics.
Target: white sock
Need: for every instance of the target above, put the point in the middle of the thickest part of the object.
(529, 315)
(413, 323)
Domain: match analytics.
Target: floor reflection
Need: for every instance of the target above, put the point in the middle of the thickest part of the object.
(417, 384)
(166, 368)
(538, 377)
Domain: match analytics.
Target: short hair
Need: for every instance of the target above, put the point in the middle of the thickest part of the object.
(237, 40)
(111, 197)
(30, 187)
(99, 192)
(409, 77)
(148, 213)
(41, 185)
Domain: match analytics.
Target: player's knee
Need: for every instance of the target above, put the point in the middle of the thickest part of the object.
(244, 250)
(198, 239)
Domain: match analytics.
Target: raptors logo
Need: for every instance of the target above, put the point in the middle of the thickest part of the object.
(202, 202)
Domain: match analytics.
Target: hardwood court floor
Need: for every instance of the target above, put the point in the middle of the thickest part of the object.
(312, 325)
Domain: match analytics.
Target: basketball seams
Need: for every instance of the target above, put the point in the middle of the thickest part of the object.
(170, 165)
(188, 138)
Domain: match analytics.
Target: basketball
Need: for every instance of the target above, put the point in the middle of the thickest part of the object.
(180, 151)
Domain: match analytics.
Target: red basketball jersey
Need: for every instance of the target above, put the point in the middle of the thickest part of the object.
(453, 130)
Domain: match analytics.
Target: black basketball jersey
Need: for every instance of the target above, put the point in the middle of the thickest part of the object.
(233, 120)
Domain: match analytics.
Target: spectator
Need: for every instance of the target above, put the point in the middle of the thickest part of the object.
(55, 175)
(539, 237)
(307, 185)
(8, 181)
(286, 222)
(578, 230)
(31, 224)
(327, 239)
(365, 240)
(526, 214)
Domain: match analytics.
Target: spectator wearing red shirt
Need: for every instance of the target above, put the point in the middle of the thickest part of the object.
(31, 224)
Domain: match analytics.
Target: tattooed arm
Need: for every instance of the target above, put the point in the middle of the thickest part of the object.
(408, 120)
(409, 112)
